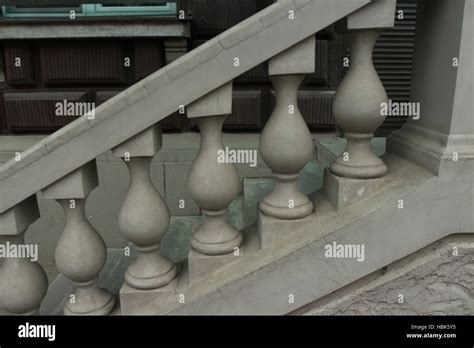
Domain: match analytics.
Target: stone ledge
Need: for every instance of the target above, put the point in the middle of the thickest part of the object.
(429, 148)
(68, 30)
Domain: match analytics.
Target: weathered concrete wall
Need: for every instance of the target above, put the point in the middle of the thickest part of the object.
(442, 84)
(437, 280)
(438, 21)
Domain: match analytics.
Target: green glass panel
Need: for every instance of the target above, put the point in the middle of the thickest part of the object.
(137, 8)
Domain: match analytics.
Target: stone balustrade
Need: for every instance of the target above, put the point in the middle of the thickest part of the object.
(286, 147)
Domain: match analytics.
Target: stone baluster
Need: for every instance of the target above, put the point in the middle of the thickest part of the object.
(144, 217)
(358, 101)
(23, 282)
(286, 144)
(81, 252)
(213, 185)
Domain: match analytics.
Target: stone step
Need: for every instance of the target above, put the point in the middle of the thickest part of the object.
(294, 264)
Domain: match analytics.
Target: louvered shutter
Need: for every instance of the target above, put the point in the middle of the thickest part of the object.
(393, 59)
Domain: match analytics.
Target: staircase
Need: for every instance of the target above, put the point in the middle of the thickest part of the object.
(394, 205)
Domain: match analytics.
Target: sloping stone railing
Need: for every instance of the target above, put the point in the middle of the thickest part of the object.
(63, 167)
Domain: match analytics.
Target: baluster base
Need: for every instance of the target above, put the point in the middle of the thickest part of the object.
(342, 192)
(149, 302)
(150, 270)
(201, 265)
(215, 236)
(285, 201)
(90, 300)
(358, 161)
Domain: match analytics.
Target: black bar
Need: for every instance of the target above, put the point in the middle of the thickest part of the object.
(36, 3)
(289, 330)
